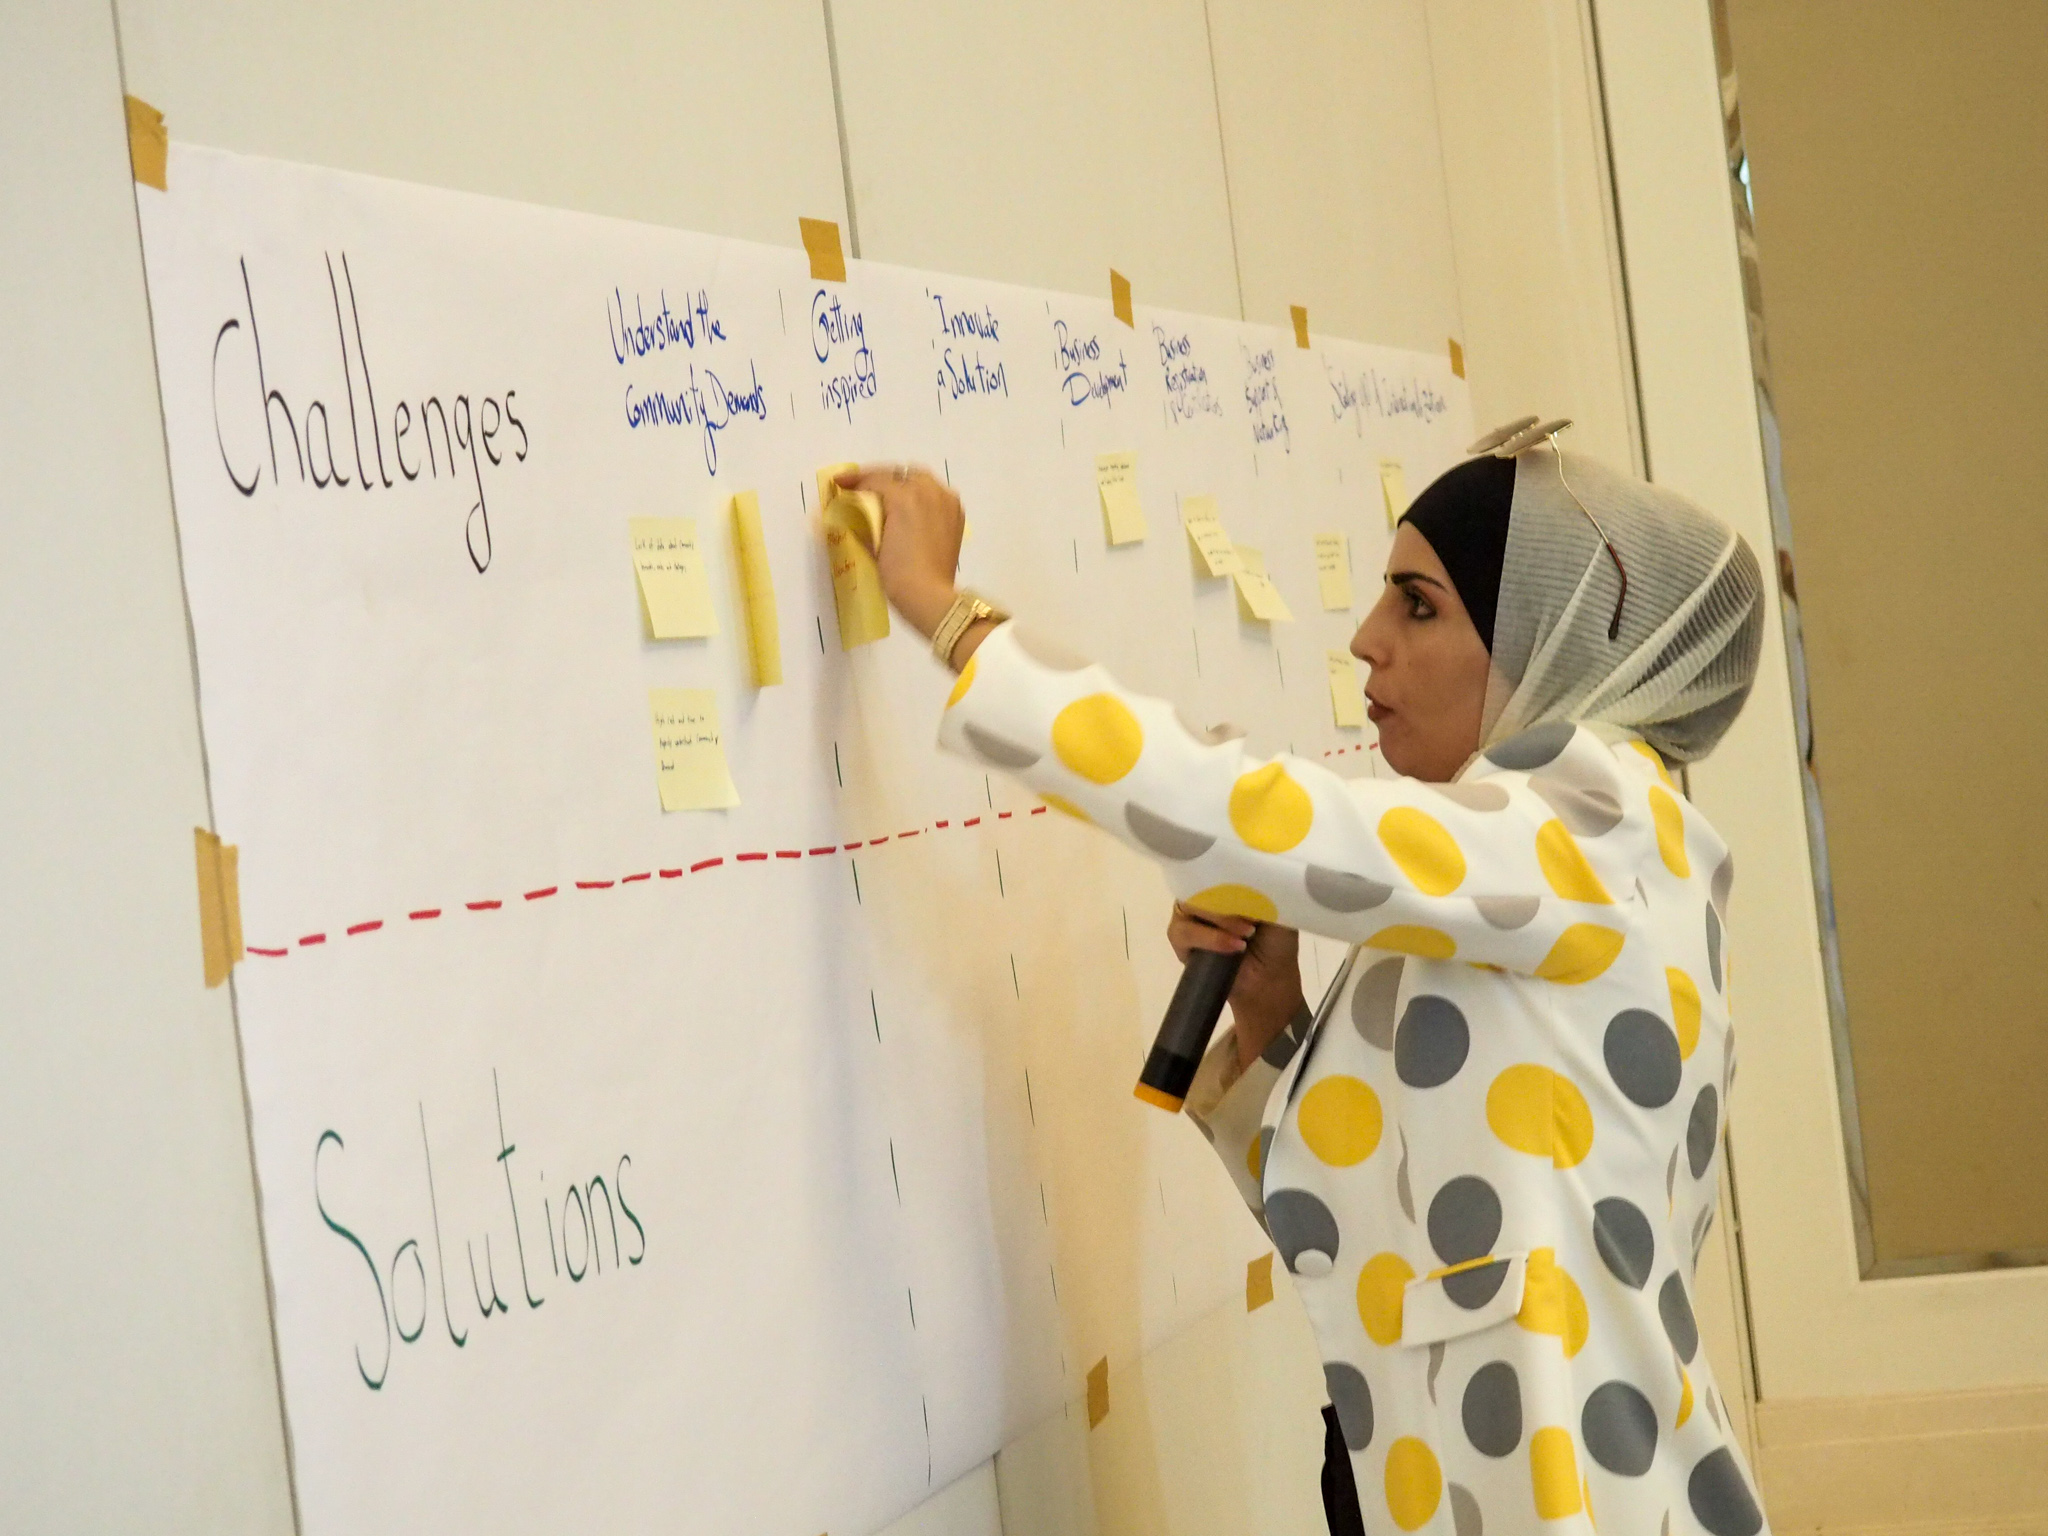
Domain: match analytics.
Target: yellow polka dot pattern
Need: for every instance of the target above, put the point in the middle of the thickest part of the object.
(1552, 1302)
(1414, 939)
(1340, 1120)
(1670, 822)
(1427, 854)
(1381, 1284)
(1656, 761)
(1685, 1011)
(1554, 1472)
(1415, 1483)
(1542, 1113)
(1253, 1161)
(1564, 865)
(1269, 811)
(1684, 1397)
(1582, 952)
(1098, 738)
(1236, 901)
(1066, 807)
(962, 683)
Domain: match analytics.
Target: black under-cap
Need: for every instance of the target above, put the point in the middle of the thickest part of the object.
(1464, 515)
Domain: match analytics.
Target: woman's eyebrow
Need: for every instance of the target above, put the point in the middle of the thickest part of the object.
(1400, 578)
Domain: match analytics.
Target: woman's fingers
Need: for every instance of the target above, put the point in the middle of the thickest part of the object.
(1187, 933)
(1237, 927)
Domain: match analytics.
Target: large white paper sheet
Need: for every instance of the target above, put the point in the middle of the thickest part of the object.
(753, 1170)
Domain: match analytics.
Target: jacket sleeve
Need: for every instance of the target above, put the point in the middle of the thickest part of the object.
(1529, 863)
(1228, 1105)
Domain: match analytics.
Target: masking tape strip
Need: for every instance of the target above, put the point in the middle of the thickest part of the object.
(1300, 316)
(148, 145)
(1457, 358)
(1258, 1282)
(1098, 1392)
(821, 244)
(1120, 297)
(220, 904)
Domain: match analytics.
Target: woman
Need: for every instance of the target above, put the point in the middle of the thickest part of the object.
(1492, 1165)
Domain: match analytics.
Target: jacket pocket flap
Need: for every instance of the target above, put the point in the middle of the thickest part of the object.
(1463, 1299)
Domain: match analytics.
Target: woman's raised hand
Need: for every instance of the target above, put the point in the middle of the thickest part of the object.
(1267, 993)
(922, 524)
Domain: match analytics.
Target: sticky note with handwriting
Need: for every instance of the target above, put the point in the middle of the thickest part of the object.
(675, 599)
(853, 527)
(1347, 696)
(1333, 571)
(1204, 524)
(757, 590)
(1257, 597)
(1116, 478)
(1394, 487)
(689, 753)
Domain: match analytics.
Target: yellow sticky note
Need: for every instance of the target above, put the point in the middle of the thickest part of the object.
(1394, 487)
(675, 600)
(1120, 296)
(1333, 571)
(689, 753)
(1116, 477)
(1258, 1282)
(1347, 695)
(853, 527)
(1204, 524)
(821, 244)
(1257, 597)
(757, 589)
(149, 146)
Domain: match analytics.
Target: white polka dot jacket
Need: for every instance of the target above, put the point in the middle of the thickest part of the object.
(1489, 1160)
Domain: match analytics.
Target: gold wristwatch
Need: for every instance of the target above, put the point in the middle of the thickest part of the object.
(969, 609)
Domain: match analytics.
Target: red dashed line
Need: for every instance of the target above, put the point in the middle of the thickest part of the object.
(643, 875)
(819, 853)
(789, 853)
(483, 906)
(313, 938)
(945, 823)
(850, 847)
(1040, 810)
(975, 822)
(595, 885)
(1004, 815)
(876, 842)
(544, 892)
(702, 864)
(272, 953)
(912, 833)
(424, 914)
(370, 927)
(748, 858)
(671, 874)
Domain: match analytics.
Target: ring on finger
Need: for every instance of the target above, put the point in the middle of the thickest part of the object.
(900, 472)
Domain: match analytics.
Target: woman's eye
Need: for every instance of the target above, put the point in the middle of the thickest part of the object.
(1418, 605)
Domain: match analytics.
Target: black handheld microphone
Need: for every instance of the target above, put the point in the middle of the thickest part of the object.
(1184, 1033)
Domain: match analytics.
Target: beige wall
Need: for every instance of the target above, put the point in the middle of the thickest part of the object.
(1899, 163)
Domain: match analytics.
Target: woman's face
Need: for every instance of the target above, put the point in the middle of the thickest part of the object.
(1428, 684)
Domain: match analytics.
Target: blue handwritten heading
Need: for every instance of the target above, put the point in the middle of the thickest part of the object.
(1262, 394)
(696, 326)
(1187, 382)
(1087, 376)
(1381, 396)
(710, 407)
(839, 339)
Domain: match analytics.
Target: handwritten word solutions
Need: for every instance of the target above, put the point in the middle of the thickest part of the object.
(963, 371)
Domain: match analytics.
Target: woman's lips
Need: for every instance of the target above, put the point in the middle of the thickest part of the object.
(1375, 711)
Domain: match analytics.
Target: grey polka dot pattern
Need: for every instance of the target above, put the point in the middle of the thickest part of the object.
(1168, 839)
(1675, 1308)
(1702, 1224)
(1403, 1191)
(1474, 1288)
(1352, 1399)
(1466, 1519)
(1585, 812)
(1701, 1130)
(1619, 1428)
(1720, 1497)
(1492, 1409)
(994, 749)
(1714, 947)
(1464, 1219)
(1436, 1366)
(1265, 1152)
(1533, 748)
(1281, 1048)
(1625, 1241)
(1508, 912)
(1432, 1042)
(1372, 1003)
(1047, 653)
(1671, 1174)
(1724, 882)
(1340, 892)
(1300, 1224)
(1642, 1057)
(1478, 796)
